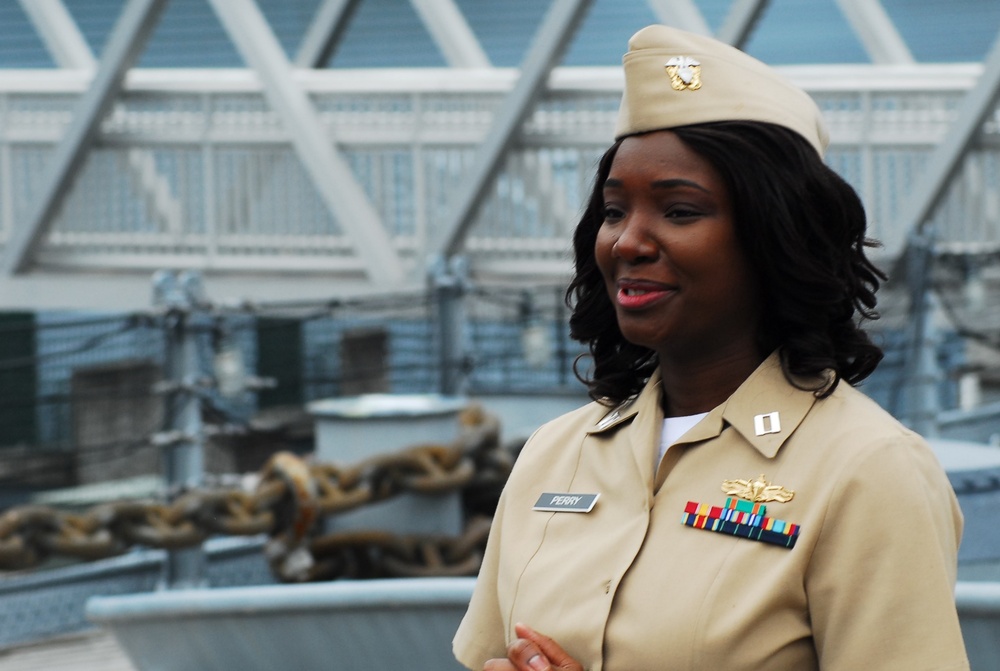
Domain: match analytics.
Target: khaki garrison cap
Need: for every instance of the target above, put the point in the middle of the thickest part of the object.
(674, 78)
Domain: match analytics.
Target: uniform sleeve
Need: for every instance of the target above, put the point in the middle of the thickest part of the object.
(480, 636)
(881, 579)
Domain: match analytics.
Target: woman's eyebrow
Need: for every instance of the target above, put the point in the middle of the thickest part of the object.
(613, 183)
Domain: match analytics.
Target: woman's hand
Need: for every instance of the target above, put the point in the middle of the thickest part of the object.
(533, 652)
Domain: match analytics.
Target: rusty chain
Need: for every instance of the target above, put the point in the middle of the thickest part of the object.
(289, 504)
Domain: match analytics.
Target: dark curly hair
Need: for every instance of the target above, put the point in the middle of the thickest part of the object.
(802, 228)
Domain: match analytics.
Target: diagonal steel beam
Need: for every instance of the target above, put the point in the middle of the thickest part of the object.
(876, 31)
(945, 158)
(683, 14)
(69, 49)
(60, 34)
(916, 256)
(740, 22)
(548, 45)
(451, 33)
(329, 172)
(127, 39)
(324, 32)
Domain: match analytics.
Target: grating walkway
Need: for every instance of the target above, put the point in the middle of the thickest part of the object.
(93, 650)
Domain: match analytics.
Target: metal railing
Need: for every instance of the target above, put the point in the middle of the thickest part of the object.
(38, 606)
(979, 613)
(192, 168)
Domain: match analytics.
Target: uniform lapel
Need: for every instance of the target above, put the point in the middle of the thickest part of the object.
(647, 429)
(645, 415)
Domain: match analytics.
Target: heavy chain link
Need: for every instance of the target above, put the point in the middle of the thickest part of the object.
(289, 503)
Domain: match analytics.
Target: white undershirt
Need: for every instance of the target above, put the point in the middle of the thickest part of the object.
(674, 428)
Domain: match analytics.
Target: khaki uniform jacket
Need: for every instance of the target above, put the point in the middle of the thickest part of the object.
(627, 587)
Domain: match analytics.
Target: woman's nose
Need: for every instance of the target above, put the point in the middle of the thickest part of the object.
(634, 244)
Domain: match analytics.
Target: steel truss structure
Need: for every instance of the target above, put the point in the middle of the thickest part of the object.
(285, 180)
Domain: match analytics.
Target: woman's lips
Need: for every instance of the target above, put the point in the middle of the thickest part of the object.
(634, 296)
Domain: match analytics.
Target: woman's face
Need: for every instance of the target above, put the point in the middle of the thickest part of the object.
(674, 270)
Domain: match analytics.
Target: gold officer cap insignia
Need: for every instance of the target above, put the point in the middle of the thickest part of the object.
(685, 73)
(758, 491)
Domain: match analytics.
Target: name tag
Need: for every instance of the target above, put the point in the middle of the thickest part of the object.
(566, 503)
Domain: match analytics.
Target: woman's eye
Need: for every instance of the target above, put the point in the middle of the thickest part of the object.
(682, 213)
(612, 213)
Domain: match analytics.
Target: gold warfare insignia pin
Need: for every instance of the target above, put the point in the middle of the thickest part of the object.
(757, 491)
(684, 72)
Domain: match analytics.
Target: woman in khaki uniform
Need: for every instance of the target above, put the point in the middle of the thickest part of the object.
(727, 502)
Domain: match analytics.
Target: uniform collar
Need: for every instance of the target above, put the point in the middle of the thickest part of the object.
(765, 396)
(648, 400)
(764, 402)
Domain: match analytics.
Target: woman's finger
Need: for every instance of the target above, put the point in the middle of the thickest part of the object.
(526, 655)
(551, 652)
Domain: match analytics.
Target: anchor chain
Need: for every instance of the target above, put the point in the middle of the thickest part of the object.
(291, 499)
